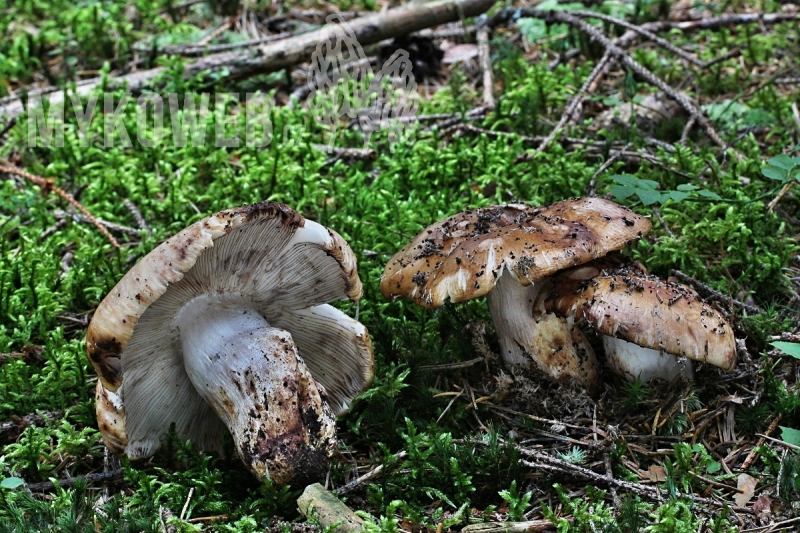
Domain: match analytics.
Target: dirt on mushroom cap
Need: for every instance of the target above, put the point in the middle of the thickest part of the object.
(461, 257)
(620, 300)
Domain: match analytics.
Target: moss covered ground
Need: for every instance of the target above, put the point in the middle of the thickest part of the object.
(452, 441)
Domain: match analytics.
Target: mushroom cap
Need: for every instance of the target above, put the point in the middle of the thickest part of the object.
(267, 253)
(617, 298)
(462, 256)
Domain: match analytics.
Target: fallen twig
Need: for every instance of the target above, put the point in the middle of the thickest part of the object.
(715, 293)
(100, 477)
(486, 67)
(47, 185)
(360, 480)
(286, 53)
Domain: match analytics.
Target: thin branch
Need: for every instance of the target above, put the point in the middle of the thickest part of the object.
(486, 66)
(47, 185)
(354, 484)
(100, 477)
(285, 53)
(590, 188)
(644, 33)
(715, 293)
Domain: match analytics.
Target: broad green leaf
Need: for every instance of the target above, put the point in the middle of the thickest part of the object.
(622, 191)
(792, 436)
(709, 194)
(625, 179)
(12, 482)
(713, 467)
(774, 173)
(687, 187)
(678, 196)
(649, 196)
(648, 184)
(789, 348)
(782, 161)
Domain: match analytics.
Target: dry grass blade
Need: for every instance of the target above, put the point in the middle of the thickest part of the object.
(47, 185)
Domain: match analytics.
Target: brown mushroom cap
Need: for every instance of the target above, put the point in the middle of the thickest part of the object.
(617, 298)
(462, 256)
(265, 253)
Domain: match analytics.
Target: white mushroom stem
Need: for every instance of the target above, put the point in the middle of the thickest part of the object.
(253, 377)
(636, 362)
(552, 345)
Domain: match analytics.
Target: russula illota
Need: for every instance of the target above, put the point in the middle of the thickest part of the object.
(504, 252)
(649, 327)
(227, 324)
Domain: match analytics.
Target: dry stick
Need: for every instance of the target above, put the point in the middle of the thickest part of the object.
(286, 53)
(753, 453)
(657, 214)
(137, 215)
(643, 490)
(781, 194)
(644, 33)
(47, 185)
(100, 477)
(486, 67)
(573, 105)
(360, 480)
(590, 188)
(713, 292)
(597, 36)
(77, 217)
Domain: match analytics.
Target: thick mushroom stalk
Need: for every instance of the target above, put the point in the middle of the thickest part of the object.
(638, 362)
(555, 345)
(253, 377)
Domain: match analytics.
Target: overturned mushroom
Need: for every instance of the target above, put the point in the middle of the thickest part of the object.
(226, 324)
(503, 252)
(649, 326)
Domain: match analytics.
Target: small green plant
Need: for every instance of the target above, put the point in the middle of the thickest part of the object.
(517, 503)
(647, 191)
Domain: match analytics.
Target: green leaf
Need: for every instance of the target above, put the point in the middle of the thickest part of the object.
(713, 467)
(709, 194)
(625, 179)
(622, 191)
(12, 482)
(649, 196)
(792, 436)
(789, 348)
(782, 161)
(687, 187)
(678, 196)
(774, 173)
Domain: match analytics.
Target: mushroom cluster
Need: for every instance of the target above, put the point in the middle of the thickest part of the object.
(528, 262)
(227, 325)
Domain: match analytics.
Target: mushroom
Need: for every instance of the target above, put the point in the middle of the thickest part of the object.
(503, 252)
(226, 324)
(649, 327)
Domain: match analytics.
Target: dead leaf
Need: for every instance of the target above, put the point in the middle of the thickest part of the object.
(747, 487)
(657, 473)
(460, 52)
(762, 507)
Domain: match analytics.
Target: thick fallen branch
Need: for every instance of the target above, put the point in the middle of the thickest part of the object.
(289, 52)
